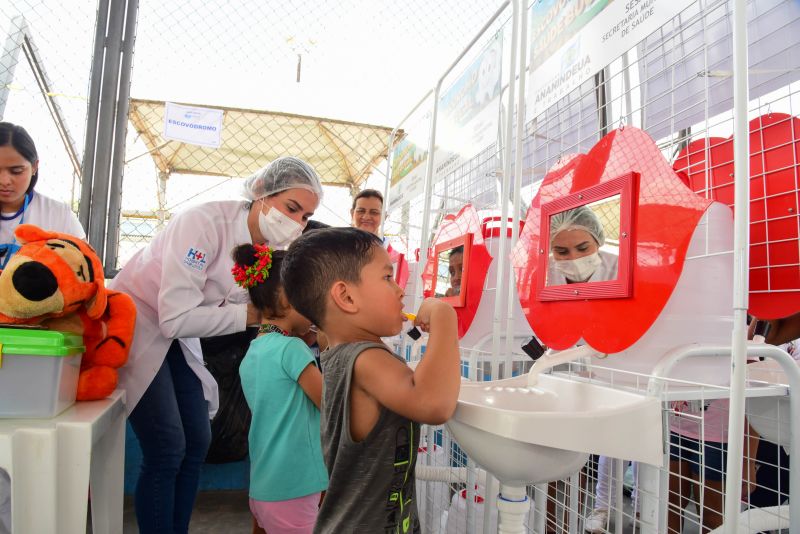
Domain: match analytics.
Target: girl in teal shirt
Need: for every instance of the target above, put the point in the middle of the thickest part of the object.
(283, 386)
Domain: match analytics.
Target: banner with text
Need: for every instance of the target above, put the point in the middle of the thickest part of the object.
(469, 114)
(594, 35)
(193, 125)
(408, 162)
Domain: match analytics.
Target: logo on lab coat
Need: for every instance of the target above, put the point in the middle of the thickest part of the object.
(195, 259)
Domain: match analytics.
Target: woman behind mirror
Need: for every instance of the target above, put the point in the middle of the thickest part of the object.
(183, 288)
(576, 238)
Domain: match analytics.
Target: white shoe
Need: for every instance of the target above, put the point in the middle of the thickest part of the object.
(597, 521)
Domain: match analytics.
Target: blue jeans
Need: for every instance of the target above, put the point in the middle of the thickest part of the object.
(713, 457)
(172, 425)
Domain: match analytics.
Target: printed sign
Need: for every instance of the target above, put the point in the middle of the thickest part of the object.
(594, 35)
(470, 108)
(468, 119)
(193, 125)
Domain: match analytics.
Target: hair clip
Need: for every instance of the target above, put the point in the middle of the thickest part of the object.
(248, 277)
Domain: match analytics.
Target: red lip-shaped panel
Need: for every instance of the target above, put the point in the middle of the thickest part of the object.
(774, 181)
(665, 214)
(465, 222)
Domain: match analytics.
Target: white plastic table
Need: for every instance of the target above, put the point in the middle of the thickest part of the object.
(54, 462)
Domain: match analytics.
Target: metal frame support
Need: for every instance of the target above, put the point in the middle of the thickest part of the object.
(107, 119)
(20, 38)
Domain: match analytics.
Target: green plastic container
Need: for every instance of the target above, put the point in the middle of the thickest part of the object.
(38, 371)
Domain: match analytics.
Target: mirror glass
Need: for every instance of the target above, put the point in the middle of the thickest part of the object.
(584, 243)
(449, 268)
(449, 276)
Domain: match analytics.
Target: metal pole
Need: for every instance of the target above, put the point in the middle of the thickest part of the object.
(90, 140)
(428, 195)
(428, 191)
(388, 183)
(512, 297)
(10, 57)
(741, 222)
(502, 261)
(105, 128)
(120, 130)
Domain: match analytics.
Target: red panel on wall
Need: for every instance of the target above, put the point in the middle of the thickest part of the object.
(774, 181)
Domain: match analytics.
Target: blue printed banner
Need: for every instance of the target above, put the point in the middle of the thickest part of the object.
(193, 125)
(571, 40)
(469, 113)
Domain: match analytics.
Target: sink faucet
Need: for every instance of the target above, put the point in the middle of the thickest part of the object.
(551, 358)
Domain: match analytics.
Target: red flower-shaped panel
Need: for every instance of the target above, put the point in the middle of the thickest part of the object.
(465, 222)
(664, 216)
(774, 180)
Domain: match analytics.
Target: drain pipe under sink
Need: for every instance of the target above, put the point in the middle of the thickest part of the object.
(513, 506)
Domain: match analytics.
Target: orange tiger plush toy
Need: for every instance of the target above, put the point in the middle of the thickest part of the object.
(56, 280)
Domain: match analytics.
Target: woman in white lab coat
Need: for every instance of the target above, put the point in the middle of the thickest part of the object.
(183, 288)
(576, 236)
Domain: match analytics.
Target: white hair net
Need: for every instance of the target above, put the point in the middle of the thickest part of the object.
(282, 174)
(580, 218)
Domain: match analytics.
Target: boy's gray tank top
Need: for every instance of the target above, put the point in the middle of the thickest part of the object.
(372, 483)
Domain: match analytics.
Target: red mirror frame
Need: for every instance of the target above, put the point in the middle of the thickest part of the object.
(625, 186)
(458, 301)
(397, 264)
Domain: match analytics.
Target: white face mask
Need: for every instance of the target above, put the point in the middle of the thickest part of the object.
(581, 269)
(278, 229)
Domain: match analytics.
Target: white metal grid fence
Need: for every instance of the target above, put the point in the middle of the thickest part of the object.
(676, 84)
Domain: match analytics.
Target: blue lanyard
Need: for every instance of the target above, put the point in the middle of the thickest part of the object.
(20, 211)
(9, 249)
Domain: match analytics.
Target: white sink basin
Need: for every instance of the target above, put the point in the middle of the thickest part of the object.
(769, 416)
(526, 435)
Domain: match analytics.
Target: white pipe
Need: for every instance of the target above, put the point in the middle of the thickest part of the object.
(551, 358)
(490, 501)
(741, 223)
(512, 294)
(450, 475)
(428, 194)
(761, 520)
(430, 440)
(665, 365)
(512, 506)
(574, 499)
(502, 275)
(472, 490)
(540, 507)
(619, 475)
